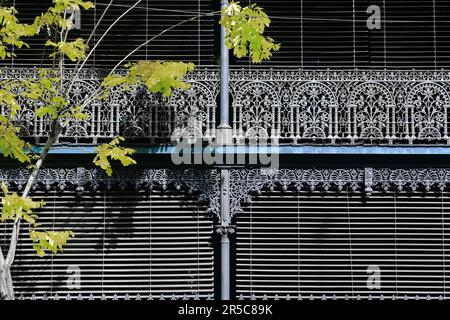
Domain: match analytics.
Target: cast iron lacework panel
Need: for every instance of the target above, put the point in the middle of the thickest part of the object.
(279, 105)
(136, 115)
(205, 183)
(245, 183)
(341, 107)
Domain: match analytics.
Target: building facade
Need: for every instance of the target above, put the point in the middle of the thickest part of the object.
(351, 203)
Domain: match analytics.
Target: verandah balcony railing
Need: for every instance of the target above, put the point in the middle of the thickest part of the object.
(138, 115)
(286, 106)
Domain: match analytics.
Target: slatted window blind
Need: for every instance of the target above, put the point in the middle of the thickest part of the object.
(313, 33)
(127, 242)
(192, 41)
(334, 34)
(329, 244)
(416, 33)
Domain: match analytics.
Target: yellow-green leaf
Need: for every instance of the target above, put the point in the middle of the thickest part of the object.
(113, 151)
(245, 28)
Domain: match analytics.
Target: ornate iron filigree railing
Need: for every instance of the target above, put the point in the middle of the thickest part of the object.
(282, 106)
(341, 107)
(136, 114)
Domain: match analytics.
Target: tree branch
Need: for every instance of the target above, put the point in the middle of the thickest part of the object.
(156, 36)
(56, 129)
(77, 72)
(2, 260)
(96, 92)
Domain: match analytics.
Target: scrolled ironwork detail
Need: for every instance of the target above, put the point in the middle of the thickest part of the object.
(256, 107)
(370, 113)
(313, 112)
(373, 107)
(203, 182)
(368, 107)
(427, 105)
(244, 183)
(135, 114)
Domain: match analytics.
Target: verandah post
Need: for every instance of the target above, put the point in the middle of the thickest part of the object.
(224, 139)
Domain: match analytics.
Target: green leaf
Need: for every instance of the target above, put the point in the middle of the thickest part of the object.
(113, 151)
(11, 144)
(62, 5)
(75, 113)
(155, 76)
(57, 16)
(17, 207)
(245, 32)
(12, 31)
(49, 240)
(74, 50)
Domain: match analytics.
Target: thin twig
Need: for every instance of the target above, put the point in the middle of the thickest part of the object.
(78, 69)
(97, 91)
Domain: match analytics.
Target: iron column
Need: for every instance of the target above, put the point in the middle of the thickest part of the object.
(224, 138)
(224, 76)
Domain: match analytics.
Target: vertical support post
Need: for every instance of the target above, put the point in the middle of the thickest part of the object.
(224, 128)
(225, 264)
(224, 230)
(224, 76)
(223, 139)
